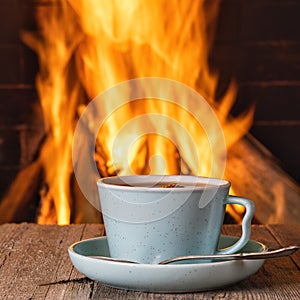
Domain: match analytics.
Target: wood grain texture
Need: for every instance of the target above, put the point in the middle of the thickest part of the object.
(21, 194)
(34, 264)
(255, 174)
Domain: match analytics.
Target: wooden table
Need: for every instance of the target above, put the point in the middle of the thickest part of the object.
(34, 264)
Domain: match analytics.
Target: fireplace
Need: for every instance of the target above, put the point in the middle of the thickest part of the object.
(262, 59)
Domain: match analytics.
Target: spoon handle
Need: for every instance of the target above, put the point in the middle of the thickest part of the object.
(259, 255)
(216, 257)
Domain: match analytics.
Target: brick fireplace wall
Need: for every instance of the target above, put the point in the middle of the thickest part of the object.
(21, 124)
(257, 43)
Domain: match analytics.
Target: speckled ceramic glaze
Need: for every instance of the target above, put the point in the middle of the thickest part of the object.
(147, 221)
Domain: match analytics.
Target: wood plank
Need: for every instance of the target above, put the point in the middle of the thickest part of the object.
(277, 278)
(255, 174)
(36, 266)
(258, 233)
(287, 236)
(68, 283)
(76, 285)
(21, 194)
(37, 255)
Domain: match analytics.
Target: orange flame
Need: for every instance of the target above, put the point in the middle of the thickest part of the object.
(90, 45)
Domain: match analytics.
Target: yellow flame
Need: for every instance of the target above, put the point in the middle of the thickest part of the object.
(91, 45)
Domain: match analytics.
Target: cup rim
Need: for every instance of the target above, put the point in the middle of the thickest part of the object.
(115, 182)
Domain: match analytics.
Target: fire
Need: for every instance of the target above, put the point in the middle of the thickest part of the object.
(87, 46)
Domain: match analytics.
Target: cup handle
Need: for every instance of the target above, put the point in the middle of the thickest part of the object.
(246, 224)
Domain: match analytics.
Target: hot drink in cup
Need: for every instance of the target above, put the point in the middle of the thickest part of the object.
(151, 218)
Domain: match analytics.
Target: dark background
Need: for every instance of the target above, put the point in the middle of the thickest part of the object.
(257, 43)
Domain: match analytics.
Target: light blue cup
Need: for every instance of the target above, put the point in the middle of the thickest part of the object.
(152, 218)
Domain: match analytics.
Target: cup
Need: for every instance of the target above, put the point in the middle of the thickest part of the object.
(151, 218)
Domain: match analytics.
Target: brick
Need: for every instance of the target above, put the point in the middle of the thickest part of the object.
(17, 61)
(19, 146)
(10, 58)
(258, 62)
(7, 174)
(266, 20)
(29, 61)
(30, 66)
(292, 167)
(10, 16)
(28, 20)
(10, 149)
(269, 62)
(273, 103)
(30, 141)
(228, 21)
(283, 142)
(19, 106)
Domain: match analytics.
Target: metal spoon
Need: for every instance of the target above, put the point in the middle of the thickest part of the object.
(218, 257)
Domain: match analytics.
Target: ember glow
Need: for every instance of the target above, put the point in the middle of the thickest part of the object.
(87, 46)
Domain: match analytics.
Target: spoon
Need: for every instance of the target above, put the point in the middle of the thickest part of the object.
(223, 257)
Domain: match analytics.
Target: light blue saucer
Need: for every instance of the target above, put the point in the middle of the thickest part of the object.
(172, 278)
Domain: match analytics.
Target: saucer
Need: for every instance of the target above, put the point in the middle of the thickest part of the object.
(172, 278)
